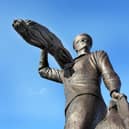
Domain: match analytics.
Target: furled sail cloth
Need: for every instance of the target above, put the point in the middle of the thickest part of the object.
(39, 36)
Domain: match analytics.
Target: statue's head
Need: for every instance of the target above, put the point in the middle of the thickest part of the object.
(82, 41)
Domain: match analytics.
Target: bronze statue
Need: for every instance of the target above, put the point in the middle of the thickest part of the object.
(81, 76)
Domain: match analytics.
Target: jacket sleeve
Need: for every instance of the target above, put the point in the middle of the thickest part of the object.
(110, 77)
(45, 71)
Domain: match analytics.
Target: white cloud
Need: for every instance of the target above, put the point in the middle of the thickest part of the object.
(35, 92)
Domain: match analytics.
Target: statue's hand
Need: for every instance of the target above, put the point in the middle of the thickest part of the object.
(44, 55)
(117, 95)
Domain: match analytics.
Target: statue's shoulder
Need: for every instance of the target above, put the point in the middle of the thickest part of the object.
(98, 53)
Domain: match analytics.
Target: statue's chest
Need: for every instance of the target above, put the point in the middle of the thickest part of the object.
(81, 67)
(82, 64)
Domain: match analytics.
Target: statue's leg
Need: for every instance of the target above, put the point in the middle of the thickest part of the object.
(84, 112)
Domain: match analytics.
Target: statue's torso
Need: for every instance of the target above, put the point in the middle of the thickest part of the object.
(82, 78)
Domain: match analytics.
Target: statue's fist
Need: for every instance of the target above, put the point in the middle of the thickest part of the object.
(117, 95)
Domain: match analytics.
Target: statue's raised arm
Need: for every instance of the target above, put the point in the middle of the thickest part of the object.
(39, 36)
(45, 71)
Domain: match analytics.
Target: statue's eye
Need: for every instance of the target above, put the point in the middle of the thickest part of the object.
(84, 40)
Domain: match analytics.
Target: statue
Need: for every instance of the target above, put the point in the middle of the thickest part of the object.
(85, 107)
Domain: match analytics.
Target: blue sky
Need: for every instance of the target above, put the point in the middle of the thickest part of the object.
(28, 101)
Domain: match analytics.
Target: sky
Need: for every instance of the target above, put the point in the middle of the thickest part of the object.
(28, 101)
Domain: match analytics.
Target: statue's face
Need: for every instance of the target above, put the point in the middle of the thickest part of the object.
(81, 42)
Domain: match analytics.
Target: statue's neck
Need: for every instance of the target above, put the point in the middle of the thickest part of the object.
(83, 52)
